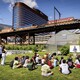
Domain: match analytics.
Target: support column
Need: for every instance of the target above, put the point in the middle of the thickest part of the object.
(31, 38)
(21, 41)
(15, 39)
(28, 38)
(34, 39)
(23, 37)
(6, 40)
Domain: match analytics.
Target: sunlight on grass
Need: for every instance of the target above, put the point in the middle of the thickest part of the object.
(6, 73)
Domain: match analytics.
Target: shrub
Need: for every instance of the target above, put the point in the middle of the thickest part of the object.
(64, 50)
(70, 54)
(34, 48)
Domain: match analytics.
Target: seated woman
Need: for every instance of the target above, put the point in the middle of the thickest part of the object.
(46, 71)
(27, 60)
(64, 68)
(77, 62)
(54, 61)
(16, 63)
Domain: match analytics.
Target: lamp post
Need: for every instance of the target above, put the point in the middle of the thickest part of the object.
(56, 10)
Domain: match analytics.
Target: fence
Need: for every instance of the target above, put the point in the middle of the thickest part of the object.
(9, 52)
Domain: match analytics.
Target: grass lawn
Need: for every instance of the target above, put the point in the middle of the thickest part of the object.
(6, 73)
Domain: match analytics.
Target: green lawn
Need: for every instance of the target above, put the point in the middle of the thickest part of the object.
(6, 73)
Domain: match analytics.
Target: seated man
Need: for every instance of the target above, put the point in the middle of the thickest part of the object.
(46, 71)
(64, 68)
(31, 65)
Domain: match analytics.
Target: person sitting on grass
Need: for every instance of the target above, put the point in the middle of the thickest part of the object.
(42, 61)
(16, 63)
(64, 68)
(77, 62)
(31, 65)
(27, 60)
(46, 71)
(70, 63)
(61, 60)
(37, 59)
(50, 64)
(54, 61)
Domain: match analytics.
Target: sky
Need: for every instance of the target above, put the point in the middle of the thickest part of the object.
(67, 8)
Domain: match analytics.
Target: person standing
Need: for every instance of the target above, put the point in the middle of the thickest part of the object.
(0, 53)
(3, 56)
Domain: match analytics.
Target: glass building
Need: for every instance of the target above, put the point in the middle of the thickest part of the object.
(24, 16)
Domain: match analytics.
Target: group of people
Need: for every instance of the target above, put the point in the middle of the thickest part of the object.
(23, 61)
(47, 62)
(2, 54)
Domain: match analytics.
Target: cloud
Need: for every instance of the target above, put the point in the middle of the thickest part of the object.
(9, 1)
(50, 17)
(30, 3)
(10, 7)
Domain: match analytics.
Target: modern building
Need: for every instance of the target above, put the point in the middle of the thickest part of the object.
(24, 16)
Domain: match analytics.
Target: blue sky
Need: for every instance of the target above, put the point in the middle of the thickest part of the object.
(67, 8)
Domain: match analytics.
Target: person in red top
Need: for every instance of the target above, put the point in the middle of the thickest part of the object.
(77, 62)
(50, 64)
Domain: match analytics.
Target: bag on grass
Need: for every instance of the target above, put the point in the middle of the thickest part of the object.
(11, 63)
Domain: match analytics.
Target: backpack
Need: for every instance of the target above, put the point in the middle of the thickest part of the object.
(11, 63)
(30, 66)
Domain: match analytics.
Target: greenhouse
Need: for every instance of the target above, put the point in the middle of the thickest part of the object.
(62, 38)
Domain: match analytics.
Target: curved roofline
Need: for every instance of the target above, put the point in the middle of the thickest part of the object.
(36, 11)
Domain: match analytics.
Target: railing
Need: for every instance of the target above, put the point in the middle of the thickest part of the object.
(45, 25)
(62, 23)
(26, 28)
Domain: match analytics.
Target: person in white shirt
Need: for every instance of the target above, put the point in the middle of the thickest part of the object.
(3, 56)
(38, 59)
(43, 61)
(64, 68)
(27, 60)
